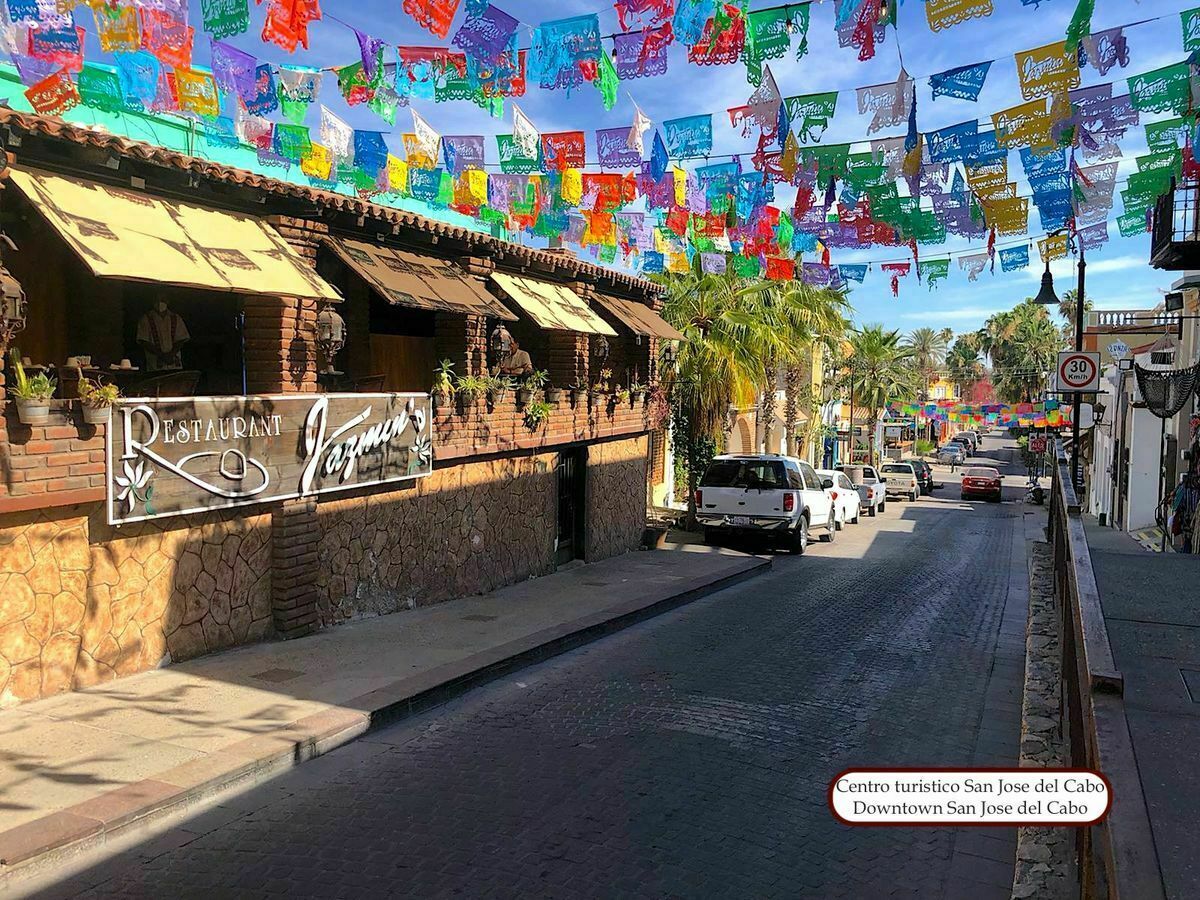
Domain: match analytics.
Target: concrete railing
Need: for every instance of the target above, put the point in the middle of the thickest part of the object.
(1117, 858)
(1137, 319)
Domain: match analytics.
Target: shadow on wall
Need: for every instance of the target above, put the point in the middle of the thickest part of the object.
(471, 528)
(85, 602)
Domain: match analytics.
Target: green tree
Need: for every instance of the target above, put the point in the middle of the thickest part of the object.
(1023, 345)
(880, 372)
(963, 365)
(927, 347)
(1067, 306)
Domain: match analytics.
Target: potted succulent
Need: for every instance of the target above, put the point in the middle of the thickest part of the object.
(579, 388)
(553, 394)
(601, 388)
(534, 381)
(443, 383)
(97, 401)
(32, 394)
(468, 388)
(536, 414)
(637, 392)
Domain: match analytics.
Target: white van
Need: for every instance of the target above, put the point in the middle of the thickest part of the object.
(767, 494)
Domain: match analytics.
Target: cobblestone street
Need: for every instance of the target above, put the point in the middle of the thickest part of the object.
(688, 756)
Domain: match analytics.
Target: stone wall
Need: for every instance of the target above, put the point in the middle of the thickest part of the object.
(465, 529)
(616, 497)
(82, 602)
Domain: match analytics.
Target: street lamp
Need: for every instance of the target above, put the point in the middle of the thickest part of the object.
(1046, 295)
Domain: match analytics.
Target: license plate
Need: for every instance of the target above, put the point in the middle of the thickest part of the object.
(739, 520)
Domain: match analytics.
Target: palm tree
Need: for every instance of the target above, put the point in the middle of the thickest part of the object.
(880, 372)
(963, 365)
(1022, 345)
(928, 349)
(728, 337)
(1067, 308)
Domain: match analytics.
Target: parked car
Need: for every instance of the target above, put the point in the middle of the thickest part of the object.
(982, 481)
(872, 492)
(901, 479)
(965, 442)
(952, 454)
(764, 494)
(924, 474)
(847, 506)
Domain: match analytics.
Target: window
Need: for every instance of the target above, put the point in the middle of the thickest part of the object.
(795, 479)
(811, 481)
(763, 474)
(868, 472)
(844, 482)
(898, 469)
(939, 393)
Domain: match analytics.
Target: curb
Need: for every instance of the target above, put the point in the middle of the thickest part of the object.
(37, 846)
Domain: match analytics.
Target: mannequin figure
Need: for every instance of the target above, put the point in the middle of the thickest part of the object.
(161, 333)
(514, 361)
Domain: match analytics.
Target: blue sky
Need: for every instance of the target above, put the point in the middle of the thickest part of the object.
(1118, 276)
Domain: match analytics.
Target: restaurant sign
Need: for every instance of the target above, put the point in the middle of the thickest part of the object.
(178, 455)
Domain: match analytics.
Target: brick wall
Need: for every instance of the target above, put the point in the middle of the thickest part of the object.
(64, 458)
(483, 428)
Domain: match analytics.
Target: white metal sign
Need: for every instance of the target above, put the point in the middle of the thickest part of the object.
(1118, 349)
(1078, 370)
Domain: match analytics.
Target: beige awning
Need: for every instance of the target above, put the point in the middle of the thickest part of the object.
(121, 233)
(552, 306)
(418, 281)
(639, 318)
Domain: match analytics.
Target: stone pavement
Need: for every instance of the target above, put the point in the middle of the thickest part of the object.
(687, 756)
(1153, 621)
(82, 766)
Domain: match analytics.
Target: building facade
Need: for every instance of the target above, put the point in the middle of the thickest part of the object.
(289, 467)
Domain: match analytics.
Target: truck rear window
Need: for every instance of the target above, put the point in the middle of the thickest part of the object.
(898, 470)
(746, 473)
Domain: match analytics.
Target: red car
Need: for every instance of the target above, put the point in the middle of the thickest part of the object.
(981, 481)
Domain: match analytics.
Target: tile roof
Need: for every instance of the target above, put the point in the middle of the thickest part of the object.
(561, 263)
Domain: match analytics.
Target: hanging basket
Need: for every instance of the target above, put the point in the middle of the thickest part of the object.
(1166, 392)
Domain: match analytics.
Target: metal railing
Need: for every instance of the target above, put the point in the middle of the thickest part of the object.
(1117, 858)
(1176, 220)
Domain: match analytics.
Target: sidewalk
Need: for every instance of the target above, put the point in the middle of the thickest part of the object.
(1153, 621)
(77, 769)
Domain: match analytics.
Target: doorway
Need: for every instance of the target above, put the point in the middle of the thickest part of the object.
(572, 472)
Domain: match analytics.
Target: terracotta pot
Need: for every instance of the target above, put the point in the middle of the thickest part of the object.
(524, 396)
(553, 395)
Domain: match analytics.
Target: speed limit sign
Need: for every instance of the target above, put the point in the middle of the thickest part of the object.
(1078, 371)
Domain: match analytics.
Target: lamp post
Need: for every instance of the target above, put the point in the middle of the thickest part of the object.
(1047, 296)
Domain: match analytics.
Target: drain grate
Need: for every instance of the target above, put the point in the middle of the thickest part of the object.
(479, 617)
(277, 676)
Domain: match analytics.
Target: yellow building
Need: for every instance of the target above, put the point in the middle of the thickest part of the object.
(942, 389)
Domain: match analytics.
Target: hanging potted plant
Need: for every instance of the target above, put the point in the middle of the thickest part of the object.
(536, 414)
(97, 401)
(579, 388)
(553, 394)
(498, 387)
(442, 389)
(32, 394)
(601, 388)
(534, 381)
(637, 392)
(468, 388)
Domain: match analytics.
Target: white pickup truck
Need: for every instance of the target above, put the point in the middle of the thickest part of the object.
(871, 489)
(901, 479)
(764, 494)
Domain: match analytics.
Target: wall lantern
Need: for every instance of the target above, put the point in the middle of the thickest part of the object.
(13, 308)
(669, 353)
(600, 347)
(501, 342)
(331, 337)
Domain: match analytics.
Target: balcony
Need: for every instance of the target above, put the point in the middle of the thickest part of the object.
(1175, 241)
(1126, 321)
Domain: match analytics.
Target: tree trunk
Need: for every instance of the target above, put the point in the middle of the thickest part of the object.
(872, 422)
(791, 405)
(767, 407)
(692, 478)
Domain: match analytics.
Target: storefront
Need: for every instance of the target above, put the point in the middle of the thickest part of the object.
(284, 466)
